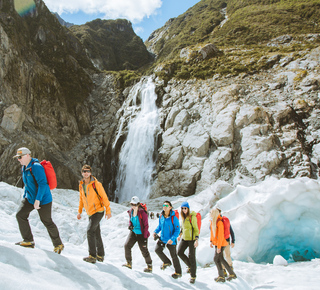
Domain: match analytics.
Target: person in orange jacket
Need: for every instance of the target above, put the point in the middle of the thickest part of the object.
(218, 240)
(94, 199)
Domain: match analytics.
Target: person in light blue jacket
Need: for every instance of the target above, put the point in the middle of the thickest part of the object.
(37, 195)
(169, 226)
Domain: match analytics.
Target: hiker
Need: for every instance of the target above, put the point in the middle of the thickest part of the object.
(190, 236)
(218, 240)
(170, 229)
(95, 200)
(139, 232)
(37, 195)
(227, 250)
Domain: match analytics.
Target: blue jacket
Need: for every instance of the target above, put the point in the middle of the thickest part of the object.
(31, 191)
(169, 230)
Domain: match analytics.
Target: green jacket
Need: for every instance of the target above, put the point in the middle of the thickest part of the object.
(188, 228)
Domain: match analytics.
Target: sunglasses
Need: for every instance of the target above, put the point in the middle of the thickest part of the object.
(166, 205)
(20, 157)
(86, 171)
(133, 204)
(184, 208)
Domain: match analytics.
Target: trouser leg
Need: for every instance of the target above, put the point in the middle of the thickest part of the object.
(192, 259)
(143, 245)
(175, 259)
(23, 221)
(227, 254)
(219, 260)
(94, 221)
(130, 242)
(99, 242)
(181, 249)
(46, 218)
(159, 251)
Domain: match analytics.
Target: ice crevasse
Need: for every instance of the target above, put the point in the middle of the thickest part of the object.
(275, 217)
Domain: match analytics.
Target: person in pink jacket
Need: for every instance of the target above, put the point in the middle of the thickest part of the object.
(139, 232)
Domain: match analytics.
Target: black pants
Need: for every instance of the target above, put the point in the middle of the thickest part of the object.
(191, 260)
(173, 253)
(219, 260)
(45, 216)
(95, 243)
(143, 245)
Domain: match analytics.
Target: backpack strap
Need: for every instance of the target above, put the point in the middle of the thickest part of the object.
(34, 179)
(95, 189)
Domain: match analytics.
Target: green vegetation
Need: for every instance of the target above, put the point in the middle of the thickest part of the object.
(125, 78)
(243, 59)
(242, 40)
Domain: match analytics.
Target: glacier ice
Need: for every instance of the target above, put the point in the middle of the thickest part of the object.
(275, 217)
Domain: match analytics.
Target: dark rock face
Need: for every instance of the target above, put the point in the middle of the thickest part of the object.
(112, 44)
(46, 86)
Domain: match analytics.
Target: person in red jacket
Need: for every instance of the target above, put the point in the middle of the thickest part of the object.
(218, 240)
(139, 232)
(95, 200)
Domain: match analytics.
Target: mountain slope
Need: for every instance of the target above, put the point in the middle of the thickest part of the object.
(248, 22)
(112, 44)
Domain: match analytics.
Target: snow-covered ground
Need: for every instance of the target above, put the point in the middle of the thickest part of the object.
(270, 218)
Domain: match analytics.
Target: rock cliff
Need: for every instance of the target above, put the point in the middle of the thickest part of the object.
(233, 114)
(240, 129)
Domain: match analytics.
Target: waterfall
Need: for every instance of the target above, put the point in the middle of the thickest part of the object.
(136, 163)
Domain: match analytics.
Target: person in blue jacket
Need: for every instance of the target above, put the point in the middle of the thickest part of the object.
(37, 195)
(169, 226)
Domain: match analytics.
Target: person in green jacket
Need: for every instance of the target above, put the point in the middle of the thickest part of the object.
(190, 236)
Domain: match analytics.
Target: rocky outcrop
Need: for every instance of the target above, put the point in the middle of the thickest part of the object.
(240, 129)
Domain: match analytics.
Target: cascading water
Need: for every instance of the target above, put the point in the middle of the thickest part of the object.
(136, 162)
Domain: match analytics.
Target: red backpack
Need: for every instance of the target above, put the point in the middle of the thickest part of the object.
(198, 216)
(50, 174)
(226, 224)
(144, 206)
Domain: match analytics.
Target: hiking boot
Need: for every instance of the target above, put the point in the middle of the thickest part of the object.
(128, 265)
(225, 273)
(100, 258)
(25, 244)
(58, 249)
(90, 259)
(188, 270)
(220, 279)
(176, 275)
(192, 280)
(165, 265)
(231, 277)
(148, 269)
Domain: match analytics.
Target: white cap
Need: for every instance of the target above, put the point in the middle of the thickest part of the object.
(135, 200)
(22, 151)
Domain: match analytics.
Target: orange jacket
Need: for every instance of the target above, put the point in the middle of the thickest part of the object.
(91, 201)
(219, 239)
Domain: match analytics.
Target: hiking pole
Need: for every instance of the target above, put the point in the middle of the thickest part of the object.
(18, 181)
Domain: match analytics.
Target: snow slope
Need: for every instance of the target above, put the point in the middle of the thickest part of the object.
(264, 216)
